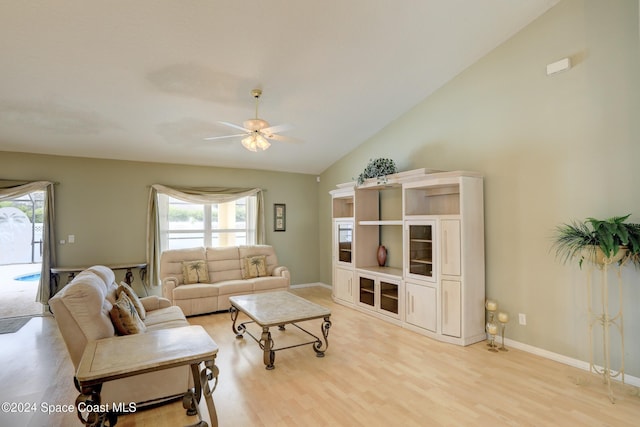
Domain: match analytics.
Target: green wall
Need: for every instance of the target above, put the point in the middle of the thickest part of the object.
(104, 204)
(551, 148)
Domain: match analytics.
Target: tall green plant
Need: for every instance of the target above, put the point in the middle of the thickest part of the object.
(609, 235)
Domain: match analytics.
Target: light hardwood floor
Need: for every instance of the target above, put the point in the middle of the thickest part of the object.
(374, 374)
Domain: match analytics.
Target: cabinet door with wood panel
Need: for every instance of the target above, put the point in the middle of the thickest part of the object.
(451, 308)
(343, 284)
(421, 306)
(450, 247)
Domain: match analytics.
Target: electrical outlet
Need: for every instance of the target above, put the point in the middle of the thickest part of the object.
(522, 319)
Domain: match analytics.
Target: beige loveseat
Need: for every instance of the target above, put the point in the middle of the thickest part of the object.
(229, 270)
(82, 312)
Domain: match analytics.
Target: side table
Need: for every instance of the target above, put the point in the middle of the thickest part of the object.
(124, 356)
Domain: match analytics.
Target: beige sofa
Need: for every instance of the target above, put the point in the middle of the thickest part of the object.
(227, 276)
(81, 310)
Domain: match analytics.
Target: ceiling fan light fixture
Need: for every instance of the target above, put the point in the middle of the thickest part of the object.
(249, 143)
(255, 141)
(262, 142)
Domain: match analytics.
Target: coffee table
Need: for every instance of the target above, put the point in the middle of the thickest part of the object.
(279, 309)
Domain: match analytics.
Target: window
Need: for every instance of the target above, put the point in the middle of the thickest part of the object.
(21, 226)
(211, 216)
(186, 225)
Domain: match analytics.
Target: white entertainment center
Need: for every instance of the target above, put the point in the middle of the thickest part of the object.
(432, 224)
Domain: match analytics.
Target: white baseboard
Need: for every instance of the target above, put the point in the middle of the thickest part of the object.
(310, 285)
(576, 363)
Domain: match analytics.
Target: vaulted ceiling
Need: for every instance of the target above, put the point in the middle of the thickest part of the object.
(147, 80)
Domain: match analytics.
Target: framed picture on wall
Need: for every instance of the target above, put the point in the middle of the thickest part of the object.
(279, 217)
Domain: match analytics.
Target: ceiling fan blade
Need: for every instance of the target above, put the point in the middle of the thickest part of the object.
(211, 138)
(283, 138)
(235, 126)
(276, 129)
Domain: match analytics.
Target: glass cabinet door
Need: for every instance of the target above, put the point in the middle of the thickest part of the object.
(421, 256)
(367, 288)
(345, 238)
(389, 296)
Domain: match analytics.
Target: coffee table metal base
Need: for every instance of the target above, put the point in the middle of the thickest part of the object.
(266, 342)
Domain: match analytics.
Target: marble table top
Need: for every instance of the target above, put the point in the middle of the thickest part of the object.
(278, 308)
(123, 356)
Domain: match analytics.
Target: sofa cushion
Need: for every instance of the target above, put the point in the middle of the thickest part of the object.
(255, 266)
(224, 263)
(195, 272)
(268, 251)
(234, 287)
(171, 261)
(125, 316)
(197, 290)
(170, 317)
(261, 284)
(134, 299)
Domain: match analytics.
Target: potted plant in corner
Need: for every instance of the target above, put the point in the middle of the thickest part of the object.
(599, 241)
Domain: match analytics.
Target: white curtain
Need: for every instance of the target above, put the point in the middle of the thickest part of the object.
(200, 195)
(14, 189)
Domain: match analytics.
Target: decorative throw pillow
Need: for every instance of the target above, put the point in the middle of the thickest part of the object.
(125, 317)
(134, 299)
(254, 266)
(195, 272)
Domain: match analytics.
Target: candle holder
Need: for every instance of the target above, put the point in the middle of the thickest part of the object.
(503, 318)
(492, 307)
(492, 330)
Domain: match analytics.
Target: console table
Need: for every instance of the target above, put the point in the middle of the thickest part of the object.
(72, 271)
(125, 356)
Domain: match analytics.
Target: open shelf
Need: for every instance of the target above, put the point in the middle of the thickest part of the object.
(433, 200)
(395, 273)
(343, 207)
(382, 222)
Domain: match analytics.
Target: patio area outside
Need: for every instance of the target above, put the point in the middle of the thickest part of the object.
(18, 297)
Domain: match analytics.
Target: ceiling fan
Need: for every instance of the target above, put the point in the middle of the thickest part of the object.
(257, 132)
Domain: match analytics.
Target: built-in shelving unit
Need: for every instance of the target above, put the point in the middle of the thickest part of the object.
(382, 222)
(432, 224)
(343, 248)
